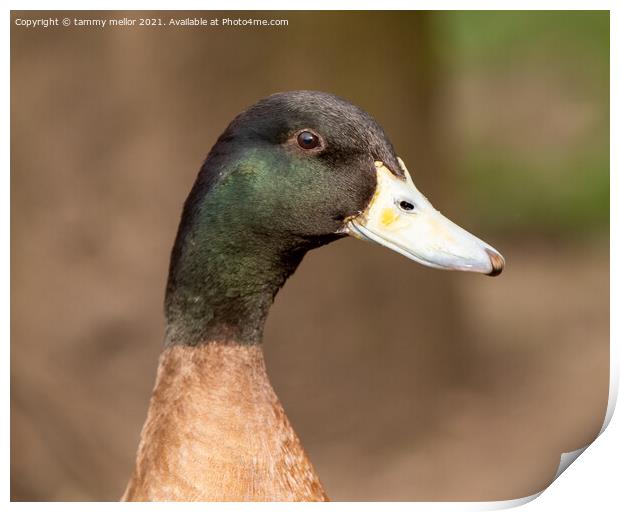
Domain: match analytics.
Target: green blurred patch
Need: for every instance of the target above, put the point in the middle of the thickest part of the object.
(499, 38)
(514, 194)
(559, 187)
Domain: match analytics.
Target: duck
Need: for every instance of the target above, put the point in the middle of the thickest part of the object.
(295, 171)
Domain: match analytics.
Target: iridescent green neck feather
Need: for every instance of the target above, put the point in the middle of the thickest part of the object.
(233, 257)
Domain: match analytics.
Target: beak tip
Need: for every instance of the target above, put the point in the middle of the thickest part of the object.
(497, 262)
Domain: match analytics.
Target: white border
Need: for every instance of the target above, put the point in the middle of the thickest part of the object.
(589, 483)
(273, 5)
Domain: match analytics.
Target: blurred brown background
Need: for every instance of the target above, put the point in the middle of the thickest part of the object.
(404, 383)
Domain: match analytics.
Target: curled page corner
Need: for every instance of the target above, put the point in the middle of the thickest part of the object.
(506, 504)
(566, 459)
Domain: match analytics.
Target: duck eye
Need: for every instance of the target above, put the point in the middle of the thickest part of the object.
(406, 206)
(307, 140)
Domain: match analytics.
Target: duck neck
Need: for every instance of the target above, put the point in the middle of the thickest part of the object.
(216, 431)
(222, 282)
(237, 243)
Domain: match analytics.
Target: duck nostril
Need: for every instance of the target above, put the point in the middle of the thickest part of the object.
(406, 206)
(497, 262)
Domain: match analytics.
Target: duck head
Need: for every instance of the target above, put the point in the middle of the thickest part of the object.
(293, 172)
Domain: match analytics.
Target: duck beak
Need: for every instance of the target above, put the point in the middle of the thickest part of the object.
(401, 218)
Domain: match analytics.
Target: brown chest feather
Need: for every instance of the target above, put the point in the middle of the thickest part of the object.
(215, 431)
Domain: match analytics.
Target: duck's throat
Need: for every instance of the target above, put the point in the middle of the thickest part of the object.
(215, 431)
(222, 284)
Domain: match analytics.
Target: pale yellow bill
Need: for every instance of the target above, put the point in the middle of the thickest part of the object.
(401, 218)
